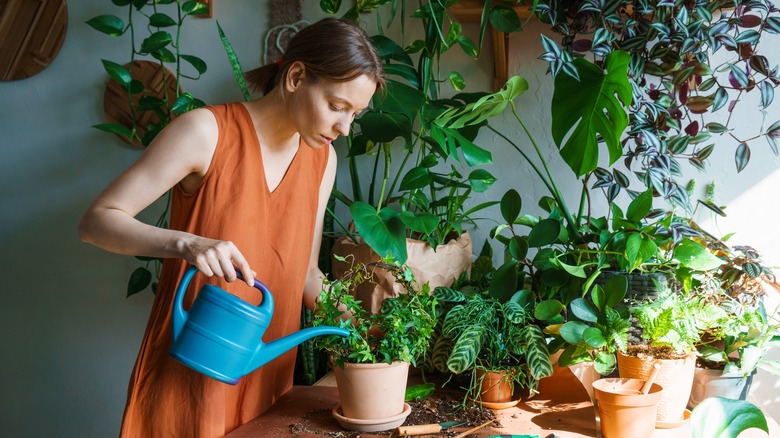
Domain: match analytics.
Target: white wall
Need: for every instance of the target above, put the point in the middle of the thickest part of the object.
(69, 334)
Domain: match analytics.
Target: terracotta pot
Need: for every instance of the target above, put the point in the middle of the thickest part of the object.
(496, 387)
(675, 376)
(372, 391)
(437, 268)
(713, 383)
(623, 410)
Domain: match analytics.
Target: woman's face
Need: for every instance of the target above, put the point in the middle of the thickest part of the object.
(323, 110)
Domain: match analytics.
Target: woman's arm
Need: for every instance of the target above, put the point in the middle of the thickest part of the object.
(313, 286)
(181, 153)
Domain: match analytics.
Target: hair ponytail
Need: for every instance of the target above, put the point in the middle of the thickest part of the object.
(331, 49)
(263, 78)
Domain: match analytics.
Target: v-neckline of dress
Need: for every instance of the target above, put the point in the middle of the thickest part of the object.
(264, 176)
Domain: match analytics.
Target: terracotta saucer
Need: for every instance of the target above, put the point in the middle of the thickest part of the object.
(673, 424)
(498, 405)
(374, 425)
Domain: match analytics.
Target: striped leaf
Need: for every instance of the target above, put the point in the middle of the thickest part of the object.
(440, 353)
(466, 349)
(448, 295)
(537, 356)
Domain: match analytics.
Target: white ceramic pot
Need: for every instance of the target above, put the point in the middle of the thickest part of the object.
(713, 383)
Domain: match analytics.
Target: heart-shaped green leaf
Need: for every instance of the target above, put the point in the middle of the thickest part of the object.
(383, 231)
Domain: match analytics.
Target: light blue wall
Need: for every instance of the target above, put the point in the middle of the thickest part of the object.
(69, 335)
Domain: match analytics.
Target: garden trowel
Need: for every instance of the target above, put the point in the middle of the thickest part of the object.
(422, 429)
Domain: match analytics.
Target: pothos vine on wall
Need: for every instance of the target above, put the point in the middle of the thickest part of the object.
(162, 21)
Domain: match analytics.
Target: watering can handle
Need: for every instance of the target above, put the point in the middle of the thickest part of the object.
(180, 315)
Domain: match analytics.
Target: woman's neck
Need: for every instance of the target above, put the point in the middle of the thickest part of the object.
(274, 126)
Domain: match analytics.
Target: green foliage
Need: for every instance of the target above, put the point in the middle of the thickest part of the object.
(399, 332)
(676, 320)
(481, 331)
(422, 172)
(164, 46)
(719, 417)
(675, 81)
(589, 107)
(595, 328)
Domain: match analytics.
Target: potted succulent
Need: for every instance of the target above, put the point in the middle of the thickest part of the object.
(371, 365)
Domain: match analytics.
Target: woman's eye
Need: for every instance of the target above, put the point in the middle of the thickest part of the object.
(335, 108)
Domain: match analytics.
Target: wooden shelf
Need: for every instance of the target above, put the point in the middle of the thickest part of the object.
(470, 11)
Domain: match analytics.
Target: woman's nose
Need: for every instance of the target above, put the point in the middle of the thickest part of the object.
(342, 127)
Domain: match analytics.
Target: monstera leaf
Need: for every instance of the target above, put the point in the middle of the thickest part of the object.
(383, 230)
(590, 107)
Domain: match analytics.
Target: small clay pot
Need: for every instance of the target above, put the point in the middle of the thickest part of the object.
(624, 410)
(372, 391)
(496, 386)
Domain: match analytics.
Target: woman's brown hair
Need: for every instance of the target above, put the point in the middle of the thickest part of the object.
(331, 49)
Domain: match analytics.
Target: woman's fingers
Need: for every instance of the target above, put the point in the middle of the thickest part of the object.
(221, 258)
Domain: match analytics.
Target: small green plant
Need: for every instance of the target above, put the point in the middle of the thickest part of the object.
(675, 320)
(399, 332)
(596, 326)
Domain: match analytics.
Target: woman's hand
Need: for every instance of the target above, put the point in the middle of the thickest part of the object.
(216, 257)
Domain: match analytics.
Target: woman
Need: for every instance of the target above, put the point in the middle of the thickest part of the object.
(250, 184)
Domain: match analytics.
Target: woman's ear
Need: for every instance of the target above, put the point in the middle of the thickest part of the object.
(296, 74)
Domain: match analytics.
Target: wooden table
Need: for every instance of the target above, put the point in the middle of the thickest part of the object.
(562, 407)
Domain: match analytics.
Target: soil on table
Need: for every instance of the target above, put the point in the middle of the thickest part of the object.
(428, 411)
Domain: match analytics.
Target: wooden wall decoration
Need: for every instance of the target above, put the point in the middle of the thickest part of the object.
(470, 11)
(115, 101)
(31, 35)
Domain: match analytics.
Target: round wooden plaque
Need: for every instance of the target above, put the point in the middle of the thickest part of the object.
(115, 103)
(31, 34)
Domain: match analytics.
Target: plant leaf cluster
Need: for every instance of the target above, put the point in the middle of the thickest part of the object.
(399, 332)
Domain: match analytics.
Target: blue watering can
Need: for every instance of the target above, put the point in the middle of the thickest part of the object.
(221, 335)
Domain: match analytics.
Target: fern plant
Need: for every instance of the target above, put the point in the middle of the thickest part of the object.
(676, 320)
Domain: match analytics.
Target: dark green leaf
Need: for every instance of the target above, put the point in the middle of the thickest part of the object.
(330, 6)
(504, 283)
(468, 46)
(456, 80)
(615, 290)
(383, 231)
(639, 249)
(114, 128)
(164, 55)
(193, 7)
(404, 71)
(505, 19)
(196, 62)
(548, 309)
(544, 233)
(593, 337)
(518, 248)
(604, 363)
(159, 19)
(590, 107)
(481, 180)
(385, 127)
(424, 223)
(584, 310)
(510, 206)
(416, 178)
(156, 41)
(108, 24)
(139, 280)
(117, 72)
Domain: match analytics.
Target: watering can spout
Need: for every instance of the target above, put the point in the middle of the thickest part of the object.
(270, 351)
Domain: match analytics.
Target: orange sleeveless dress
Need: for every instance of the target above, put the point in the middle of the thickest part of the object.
(274, 231)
